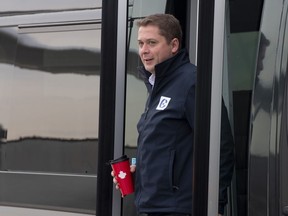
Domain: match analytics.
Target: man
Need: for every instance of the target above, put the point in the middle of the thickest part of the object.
(166, 128)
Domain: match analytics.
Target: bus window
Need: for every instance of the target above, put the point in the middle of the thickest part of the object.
(50, 110)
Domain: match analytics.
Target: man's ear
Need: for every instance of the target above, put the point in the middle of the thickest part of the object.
(175, 45)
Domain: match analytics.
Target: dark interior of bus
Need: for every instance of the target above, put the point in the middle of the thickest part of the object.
(245, 16)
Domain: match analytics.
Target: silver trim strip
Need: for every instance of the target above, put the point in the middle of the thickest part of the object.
(120, 78)
(63, 16)
(46, 174)
(216, 97)
(120, 94)
(193, 31)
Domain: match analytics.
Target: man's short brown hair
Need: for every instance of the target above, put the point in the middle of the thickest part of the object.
(168, 25)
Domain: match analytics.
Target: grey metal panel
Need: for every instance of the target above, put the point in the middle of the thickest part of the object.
(262, 132)
(16, 211)
(278, 172)
(283, 152)
(276, 116)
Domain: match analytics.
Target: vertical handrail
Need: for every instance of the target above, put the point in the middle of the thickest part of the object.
(107, 106)
(203, 109)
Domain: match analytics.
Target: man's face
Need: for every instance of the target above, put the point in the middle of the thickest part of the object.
(153, 47)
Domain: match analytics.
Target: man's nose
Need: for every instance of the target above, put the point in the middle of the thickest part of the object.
(145, 48)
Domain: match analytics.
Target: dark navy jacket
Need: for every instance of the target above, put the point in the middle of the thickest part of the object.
(165, 142)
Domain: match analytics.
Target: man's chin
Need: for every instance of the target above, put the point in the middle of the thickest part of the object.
(149, 69)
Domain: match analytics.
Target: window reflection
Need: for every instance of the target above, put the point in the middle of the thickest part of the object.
(136, 91)
(17, 6)
(50, 99)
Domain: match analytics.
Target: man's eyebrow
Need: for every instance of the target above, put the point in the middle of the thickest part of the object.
(149, 39)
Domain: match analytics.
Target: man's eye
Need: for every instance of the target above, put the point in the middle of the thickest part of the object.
(140, 44)
(152, 42)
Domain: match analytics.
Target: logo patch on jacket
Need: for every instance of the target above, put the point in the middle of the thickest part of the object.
(163, 103)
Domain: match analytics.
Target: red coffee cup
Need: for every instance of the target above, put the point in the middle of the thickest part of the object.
(121, 168)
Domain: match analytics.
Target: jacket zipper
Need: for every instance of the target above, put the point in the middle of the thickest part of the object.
(149, 102)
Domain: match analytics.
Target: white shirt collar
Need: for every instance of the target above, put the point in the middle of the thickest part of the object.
(152, 79)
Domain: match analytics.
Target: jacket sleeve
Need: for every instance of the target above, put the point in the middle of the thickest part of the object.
(226, 158)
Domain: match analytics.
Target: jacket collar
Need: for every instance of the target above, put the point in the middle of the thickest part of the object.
(166, 67)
